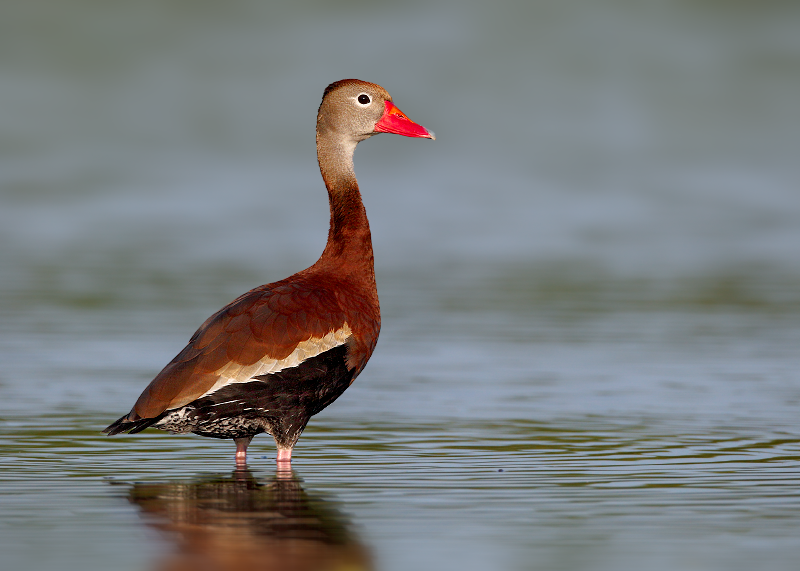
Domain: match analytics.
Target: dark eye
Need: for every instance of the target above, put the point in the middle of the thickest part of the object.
(364, 99)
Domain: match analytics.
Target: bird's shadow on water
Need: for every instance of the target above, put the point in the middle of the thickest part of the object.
(236, 523)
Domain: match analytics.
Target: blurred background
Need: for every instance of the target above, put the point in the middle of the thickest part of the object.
(605, 237)
(654, 140)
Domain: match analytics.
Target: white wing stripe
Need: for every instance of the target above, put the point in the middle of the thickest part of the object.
(235, 373)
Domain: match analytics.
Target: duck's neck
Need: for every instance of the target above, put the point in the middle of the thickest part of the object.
(349, 244)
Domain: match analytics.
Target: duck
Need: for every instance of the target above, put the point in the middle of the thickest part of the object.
(282, 352)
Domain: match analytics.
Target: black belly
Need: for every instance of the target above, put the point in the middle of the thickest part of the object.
(278, 403)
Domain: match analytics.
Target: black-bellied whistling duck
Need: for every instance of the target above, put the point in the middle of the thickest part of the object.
(282, 352)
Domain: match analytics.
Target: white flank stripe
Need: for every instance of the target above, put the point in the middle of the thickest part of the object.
(225, 402)
(236, 373)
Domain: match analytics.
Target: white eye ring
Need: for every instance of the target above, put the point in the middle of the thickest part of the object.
(360, 99)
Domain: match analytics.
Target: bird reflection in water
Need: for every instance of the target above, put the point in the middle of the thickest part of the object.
(235, 523)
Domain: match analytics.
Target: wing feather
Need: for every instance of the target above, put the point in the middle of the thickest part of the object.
(266, 323)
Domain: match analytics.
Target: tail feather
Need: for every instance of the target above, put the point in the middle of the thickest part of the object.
(130, 426)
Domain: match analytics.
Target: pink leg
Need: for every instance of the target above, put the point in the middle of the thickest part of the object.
(241, 450)
(284, 459)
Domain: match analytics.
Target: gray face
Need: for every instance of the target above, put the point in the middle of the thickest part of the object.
(351, 108)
